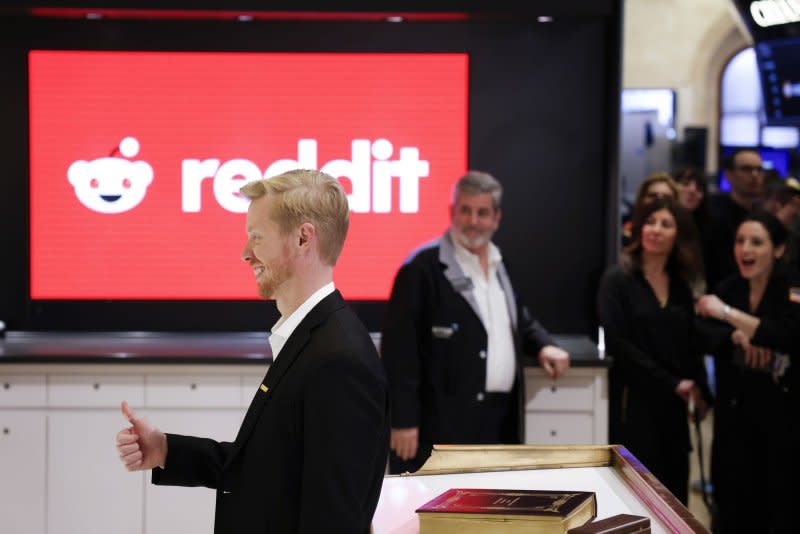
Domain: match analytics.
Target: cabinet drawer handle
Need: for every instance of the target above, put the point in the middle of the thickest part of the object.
(6, 385)
(6, 431)
(193, 386)
(552, 433)
(96, 386)
(553, 389)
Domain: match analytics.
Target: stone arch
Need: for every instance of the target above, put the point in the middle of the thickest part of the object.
(725, 37)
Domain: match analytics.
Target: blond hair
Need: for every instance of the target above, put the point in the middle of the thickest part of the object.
(307, 196)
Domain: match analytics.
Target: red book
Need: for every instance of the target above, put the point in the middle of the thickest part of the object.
(492, 511)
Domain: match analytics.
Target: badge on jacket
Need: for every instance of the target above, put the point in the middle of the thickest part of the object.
(462, 284)
(444, 332)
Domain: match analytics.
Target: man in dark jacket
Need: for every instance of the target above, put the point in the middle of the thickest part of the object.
(745, 173)
(453, 336)
(311, 452)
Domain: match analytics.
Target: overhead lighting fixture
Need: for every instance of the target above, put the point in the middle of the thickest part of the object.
(244, 18)
(394, 18)
(768, 13)
(544, 18)
(94, 16)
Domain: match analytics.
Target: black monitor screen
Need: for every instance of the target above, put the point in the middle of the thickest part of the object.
(779, 67)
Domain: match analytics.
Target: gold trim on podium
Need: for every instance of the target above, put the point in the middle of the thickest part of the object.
(479, 458)
(449, 459)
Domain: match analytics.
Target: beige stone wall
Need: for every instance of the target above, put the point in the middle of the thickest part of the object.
(683, 45)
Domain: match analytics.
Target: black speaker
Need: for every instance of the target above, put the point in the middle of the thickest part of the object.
(691, 152)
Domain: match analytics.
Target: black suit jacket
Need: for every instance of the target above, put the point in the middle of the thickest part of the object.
(725, 215)
(311, 453)
(434, 349)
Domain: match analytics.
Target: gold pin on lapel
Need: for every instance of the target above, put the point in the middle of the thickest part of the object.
(264, 388)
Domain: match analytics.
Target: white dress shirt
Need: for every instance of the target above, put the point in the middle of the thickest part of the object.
(281, 330)
(500, 356)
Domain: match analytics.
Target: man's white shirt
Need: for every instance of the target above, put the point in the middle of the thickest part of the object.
(281, 330)
(500, 358)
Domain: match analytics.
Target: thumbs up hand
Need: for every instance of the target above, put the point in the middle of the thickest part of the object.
(140, 446)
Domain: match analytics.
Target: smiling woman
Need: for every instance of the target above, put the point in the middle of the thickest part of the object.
(645, 307)
(754, 317)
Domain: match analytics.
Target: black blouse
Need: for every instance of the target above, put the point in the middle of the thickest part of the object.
(779, 312)
(653, 347)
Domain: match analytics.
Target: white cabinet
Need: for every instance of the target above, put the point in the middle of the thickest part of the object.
(94, 391)
(193, 391)
(168, 510)
(22, 391)
(559, 428)
(195, 405)
(572, 410)
(23, 433)
(572, 392)
(22, 471)
(59, 469)
(88, 490)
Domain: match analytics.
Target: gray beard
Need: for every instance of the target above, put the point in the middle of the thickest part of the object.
(466, 242)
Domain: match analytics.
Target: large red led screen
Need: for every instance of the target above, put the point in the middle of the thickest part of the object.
(136, 159)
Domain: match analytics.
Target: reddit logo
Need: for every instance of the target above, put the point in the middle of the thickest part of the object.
(112, 184)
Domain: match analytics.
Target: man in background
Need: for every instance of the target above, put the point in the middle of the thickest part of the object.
(311, 452)
(782, 199)
(454, 335)
(745, 173)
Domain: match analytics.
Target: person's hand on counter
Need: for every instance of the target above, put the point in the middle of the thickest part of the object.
(554, 360)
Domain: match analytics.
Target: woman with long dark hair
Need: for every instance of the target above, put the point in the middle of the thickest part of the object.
(655, 186)
(692, 189)
(756, 319)
(646, 308)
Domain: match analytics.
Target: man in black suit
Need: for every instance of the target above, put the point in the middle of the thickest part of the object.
(744, 170)
(454, 335)
(311, 452)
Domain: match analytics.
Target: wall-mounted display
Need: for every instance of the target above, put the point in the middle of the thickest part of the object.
(136, 159)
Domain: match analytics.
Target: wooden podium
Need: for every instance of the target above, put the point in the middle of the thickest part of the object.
(621, 483)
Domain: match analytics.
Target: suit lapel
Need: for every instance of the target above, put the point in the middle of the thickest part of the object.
(290, 353)
(460, 282)
(508, 291)
(464, 286)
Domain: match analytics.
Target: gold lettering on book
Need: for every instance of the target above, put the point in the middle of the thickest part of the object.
(503, 501)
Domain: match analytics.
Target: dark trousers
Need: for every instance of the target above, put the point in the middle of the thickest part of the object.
(495, 421)
(754, 464)
(655, 429)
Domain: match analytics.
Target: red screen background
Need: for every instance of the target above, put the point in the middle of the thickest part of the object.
(253, 106)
